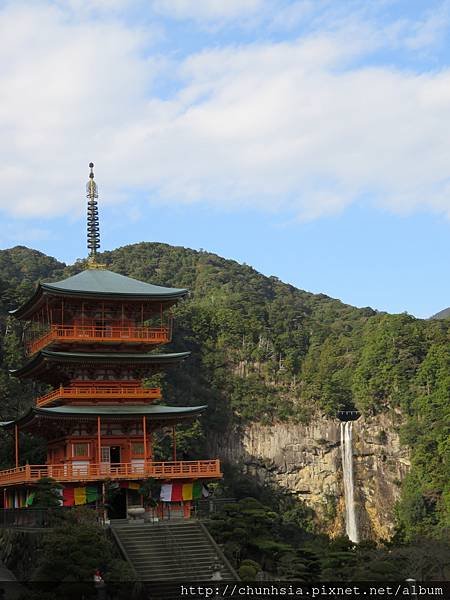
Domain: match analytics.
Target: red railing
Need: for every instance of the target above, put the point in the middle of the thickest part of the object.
(83, 333)
(192, 469)
(100, 392)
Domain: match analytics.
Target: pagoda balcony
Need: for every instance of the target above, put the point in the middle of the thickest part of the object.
(114, 393)
(91, 334)
(64, 473)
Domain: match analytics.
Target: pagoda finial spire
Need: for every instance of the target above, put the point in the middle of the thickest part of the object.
(93, 229)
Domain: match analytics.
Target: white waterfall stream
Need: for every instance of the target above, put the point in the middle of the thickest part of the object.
(347, 469)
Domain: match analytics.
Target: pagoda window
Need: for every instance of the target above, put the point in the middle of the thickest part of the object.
(106, 457)
(137, 448)
(80, 450)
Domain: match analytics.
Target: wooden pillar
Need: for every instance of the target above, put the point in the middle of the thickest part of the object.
(144, 431)
(150, 445)
(174, 440)
(16, 432)
(99, 441)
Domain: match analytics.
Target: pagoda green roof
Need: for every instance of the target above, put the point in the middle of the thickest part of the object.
(126, 409)
(155, 411)
(100, 283)
(44, 357)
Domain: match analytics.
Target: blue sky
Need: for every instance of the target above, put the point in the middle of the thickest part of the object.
(308, 138)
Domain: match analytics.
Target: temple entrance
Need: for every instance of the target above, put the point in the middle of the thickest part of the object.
(114, 455)
(118, 505)
(111, 455)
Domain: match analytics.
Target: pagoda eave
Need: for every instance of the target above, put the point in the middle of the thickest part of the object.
(158, 416)
(99, 284)
(44, 361)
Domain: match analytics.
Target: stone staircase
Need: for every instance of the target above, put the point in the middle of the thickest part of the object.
(171, 551)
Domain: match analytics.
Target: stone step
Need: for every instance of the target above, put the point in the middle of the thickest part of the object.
(149, 534)
(142, 557)
(171, 551)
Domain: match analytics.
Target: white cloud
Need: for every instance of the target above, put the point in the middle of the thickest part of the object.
(287, 126)
(207, 10)
(431, 29)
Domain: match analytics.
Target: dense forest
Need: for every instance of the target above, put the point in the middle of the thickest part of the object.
(264, 350)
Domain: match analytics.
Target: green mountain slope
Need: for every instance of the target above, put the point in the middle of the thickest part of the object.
(264, 350)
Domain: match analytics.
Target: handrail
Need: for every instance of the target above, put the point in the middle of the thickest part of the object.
(90, 332)
(104, 392)
(220, 554)
(123, 551)
(98, 471)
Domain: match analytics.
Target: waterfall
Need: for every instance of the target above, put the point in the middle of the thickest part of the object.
(347, 469)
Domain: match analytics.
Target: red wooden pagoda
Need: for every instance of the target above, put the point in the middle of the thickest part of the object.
(93, 338)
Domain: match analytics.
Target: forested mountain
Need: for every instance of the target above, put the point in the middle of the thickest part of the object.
(264, 350)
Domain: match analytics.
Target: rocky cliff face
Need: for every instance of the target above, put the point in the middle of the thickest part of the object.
(306, 459)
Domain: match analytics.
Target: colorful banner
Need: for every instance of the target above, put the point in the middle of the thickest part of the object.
(197, 490)
(68, 497)
(175, 492)
(80, 495)
(166, 492)
(187, 491)
(131, 485)
(91, 494)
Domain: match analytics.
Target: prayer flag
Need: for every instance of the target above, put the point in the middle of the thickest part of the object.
(80, 495)
(197, 490)
(187, 491)
(177, 492)
(166, 492)
(131, 485)
(91, 494)
(68, 497)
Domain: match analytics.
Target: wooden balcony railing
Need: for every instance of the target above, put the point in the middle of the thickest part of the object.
(191, 469)
(93, 393)
(90, 334)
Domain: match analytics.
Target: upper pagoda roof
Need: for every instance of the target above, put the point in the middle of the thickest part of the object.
(99, 283)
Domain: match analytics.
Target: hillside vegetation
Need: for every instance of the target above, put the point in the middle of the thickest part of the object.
(264, 350)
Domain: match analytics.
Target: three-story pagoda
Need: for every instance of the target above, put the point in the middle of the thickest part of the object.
(94, 338)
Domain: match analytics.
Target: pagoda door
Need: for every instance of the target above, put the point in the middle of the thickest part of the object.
(115, 455)
(111, 456)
